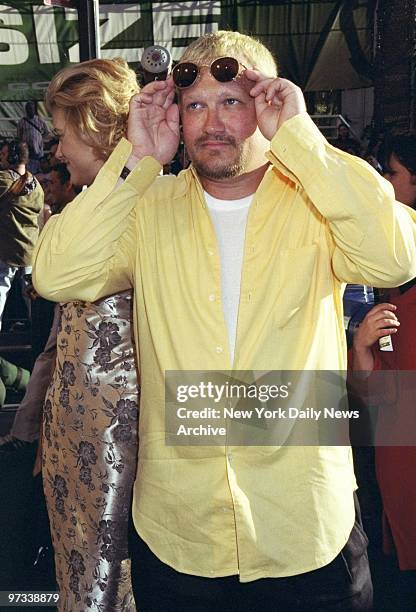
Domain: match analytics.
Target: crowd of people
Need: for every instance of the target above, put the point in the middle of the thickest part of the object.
(237, 264)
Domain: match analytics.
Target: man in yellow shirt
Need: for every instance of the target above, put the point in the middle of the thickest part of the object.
(240, 263)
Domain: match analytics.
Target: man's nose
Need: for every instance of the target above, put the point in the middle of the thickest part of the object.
(214, 124)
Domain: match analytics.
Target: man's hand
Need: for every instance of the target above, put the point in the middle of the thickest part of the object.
(153, 125)
(276, 100)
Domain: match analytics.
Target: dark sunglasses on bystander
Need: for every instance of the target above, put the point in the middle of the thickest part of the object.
(223, 69)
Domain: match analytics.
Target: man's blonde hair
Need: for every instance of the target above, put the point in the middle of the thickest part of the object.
(95, 96)
(247, 49)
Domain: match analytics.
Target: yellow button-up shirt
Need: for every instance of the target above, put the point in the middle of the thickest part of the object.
(319, 218)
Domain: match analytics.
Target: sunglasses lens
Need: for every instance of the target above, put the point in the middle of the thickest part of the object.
(184, 74)
(225, 69)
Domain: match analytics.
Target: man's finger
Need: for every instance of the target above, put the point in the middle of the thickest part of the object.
(172, 118)
(153, 87)
(161, 96)
(261, 86)
(252, 74)
(260, 101)
(169, 99)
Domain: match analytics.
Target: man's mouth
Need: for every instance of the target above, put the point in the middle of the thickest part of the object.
(215, 142)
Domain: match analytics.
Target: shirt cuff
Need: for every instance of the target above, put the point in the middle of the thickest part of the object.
(145, 171)
(296, 138)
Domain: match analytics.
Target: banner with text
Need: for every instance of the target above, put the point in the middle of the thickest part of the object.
(37, 40)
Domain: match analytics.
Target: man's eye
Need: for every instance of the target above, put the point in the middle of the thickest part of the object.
(231, 101)
(194, 105)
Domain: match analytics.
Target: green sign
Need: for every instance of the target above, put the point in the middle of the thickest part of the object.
(37, 40)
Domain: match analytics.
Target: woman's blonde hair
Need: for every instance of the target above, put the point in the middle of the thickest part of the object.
(95, 96)
(247, 49)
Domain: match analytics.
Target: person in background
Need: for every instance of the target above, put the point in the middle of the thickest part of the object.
(373, 161)
(400, 168)
(4, 152)
(43, 178)
(11, 377)
(27, 422)
(395, 463)
(61, 190)
(26, 427)
(44, 164)
(53, 146)
(345, 142)
(21, 200)
(239, 263)
(32, 130)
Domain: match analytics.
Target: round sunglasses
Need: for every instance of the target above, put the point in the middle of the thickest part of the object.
(223, 69)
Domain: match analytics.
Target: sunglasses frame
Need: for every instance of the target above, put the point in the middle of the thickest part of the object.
(240, 67)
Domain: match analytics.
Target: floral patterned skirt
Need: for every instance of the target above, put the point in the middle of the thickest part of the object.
(90, 453)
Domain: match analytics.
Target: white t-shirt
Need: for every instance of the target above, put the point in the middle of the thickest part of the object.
(229, 218)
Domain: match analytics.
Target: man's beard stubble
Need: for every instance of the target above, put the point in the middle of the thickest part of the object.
(226, 169)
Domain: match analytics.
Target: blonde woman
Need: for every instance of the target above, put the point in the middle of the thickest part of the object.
(91, 407)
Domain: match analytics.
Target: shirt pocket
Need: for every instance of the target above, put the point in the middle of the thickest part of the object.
(295, 278)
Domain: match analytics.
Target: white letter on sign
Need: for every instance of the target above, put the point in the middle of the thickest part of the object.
(44, 18)
(164, 32)
(18, 51)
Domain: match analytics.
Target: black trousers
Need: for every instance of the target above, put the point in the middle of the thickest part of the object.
(344, 585)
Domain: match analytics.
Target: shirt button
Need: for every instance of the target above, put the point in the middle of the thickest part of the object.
(219, 349)
(230, 458)
(211, 297)
(210, 252)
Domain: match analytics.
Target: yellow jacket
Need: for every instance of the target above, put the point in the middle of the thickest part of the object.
(319, 218)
